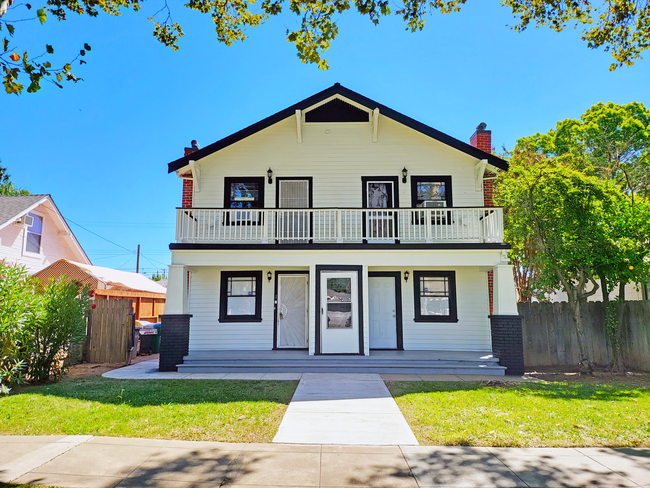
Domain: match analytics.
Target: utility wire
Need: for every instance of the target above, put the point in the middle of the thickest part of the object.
(94, 233)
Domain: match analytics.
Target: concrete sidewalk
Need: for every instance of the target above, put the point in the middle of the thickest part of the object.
(339, 408)
(101, 462)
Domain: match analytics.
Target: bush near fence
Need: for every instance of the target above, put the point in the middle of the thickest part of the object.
(550, 339)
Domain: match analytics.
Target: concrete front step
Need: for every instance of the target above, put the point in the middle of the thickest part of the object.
(403, 368)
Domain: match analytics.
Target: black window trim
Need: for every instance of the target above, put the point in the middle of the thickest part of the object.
(453, 307)
(223, 297)
(229, 180)
(448, 195)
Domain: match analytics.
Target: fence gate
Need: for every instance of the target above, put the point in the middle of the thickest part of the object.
(110, 331)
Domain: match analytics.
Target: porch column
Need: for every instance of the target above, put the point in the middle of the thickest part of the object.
(175, 328)
(312, 309)
(366, 311)
(505, 323)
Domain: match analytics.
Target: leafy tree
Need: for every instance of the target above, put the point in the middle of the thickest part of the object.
(568, 216)
(619, 26)
(7, 187)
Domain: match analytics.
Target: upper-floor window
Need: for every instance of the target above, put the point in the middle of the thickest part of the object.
(431, 191)
(244, 193)
(34, 234)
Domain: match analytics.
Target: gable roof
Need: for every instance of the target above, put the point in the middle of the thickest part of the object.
(337, 89)
(113, 278)
(12, 207)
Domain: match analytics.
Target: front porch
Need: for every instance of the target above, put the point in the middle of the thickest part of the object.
(378, 362)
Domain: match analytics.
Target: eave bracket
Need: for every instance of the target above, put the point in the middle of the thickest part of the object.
(196, 175)
(479, 171)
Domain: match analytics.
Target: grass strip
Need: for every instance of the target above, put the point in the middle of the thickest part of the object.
(207, 410)
(557, 414)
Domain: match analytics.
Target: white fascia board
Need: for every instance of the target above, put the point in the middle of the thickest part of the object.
(287, 259)
(24, 212)
(329, 99)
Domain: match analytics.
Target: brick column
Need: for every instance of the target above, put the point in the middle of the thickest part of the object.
(174, 341)
(508, 343)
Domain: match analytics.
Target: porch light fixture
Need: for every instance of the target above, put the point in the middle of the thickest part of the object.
(270, 175)
(405, 173)
(269, 275)
(406, 276)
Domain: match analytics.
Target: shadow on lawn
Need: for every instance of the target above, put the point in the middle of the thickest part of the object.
(139, 393)
(561, 391)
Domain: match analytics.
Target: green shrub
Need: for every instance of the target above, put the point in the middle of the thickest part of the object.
(38, 325)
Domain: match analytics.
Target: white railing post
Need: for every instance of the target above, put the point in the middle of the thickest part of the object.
(428, 224)
(265, 227)
(339, 226)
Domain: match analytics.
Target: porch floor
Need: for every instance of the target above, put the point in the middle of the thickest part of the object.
(379, 361)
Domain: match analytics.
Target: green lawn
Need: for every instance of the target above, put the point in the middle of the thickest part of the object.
(228, 411)
(525, 414)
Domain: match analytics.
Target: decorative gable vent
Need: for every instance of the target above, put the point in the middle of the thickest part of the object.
(337, 110)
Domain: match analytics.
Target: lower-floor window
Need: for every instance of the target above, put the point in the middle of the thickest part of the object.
(241, 296)
(435, 296)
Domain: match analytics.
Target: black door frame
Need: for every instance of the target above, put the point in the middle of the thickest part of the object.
(398, 305)
(310, 179)
(334, 267)
(275, 309)
(364, 199)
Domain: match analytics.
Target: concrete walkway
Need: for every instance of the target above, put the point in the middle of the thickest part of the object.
(339, 408)
(105, 462)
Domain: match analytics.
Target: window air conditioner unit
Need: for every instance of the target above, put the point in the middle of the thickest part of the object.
(434, 203)
(26, 220)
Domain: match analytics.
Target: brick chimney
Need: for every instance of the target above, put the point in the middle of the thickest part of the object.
(188, 184)
(482, 139)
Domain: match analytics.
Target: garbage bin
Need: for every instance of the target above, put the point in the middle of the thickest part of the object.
(155, 339)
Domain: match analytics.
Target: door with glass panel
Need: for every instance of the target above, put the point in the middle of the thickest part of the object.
(292, 310)
(294, 198)
(339, 322)
(380, 224)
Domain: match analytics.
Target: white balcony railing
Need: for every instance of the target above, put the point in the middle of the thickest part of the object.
(339, 225)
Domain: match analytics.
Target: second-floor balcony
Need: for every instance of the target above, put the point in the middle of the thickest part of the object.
(340, 225)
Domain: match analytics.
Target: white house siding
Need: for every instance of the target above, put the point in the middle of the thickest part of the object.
(337, 160)
(470, 333)
(53, 246)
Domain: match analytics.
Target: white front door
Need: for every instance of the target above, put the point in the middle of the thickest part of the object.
(292, 312)
(383, 312)
(339, 312)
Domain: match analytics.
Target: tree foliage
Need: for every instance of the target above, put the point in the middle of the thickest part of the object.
(7, 187)
(619, 26)
(580, 226)
(609, 141)
(38, 324)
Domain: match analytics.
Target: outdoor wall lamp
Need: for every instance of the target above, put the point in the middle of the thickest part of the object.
(406, 276)
(270, 174)
(269, 275)
(405, 173)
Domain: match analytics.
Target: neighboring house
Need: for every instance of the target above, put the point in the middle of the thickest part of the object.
(107, 283)
(633, 291)
(338, 226)
(34, 233)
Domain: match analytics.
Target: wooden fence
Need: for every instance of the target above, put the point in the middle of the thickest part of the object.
(550, 339)
(111, 327)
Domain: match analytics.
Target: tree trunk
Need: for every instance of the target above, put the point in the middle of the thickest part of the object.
(621, 291)
(586, 366)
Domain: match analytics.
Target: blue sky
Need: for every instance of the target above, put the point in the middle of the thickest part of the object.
(101, 147)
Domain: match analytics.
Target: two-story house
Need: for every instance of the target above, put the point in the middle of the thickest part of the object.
(339, 226)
